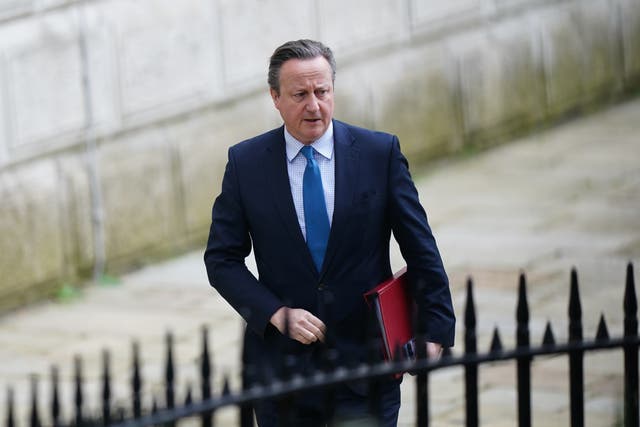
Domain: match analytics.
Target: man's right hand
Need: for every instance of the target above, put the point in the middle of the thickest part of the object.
(303, 326)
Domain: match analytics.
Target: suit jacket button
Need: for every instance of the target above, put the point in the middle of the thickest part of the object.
(322, 287)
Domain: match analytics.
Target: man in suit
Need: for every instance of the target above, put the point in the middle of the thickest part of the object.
(317, 199)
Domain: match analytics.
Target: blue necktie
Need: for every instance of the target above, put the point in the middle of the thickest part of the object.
(315, 210)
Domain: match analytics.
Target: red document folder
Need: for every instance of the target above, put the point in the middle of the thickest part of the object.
(394, 308)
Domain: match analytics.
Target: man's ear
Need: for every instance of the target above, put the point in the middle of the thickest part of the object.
(275, 96)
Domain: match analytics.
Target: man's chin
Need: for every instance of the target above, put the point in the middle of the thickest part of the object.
(311, 138)
(314, 131)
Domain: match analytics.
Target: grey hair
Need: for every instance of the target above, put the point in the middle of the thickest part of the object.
(297, 49)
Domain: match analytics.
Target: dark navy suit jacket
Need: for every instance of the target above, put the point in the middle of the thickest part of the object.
(374, 195)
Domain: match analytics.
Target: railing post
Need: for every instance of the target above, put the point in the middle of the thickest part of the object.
(10, 418)
(630, 352)
(79, 397)
(285, 403)
(188, 397)
(422, 399)
(136, 382)
(373, 353)
(576, 357)
(35, 417)
(205, 374)
(422, 378)
(106, 388)
(471, 368)
(170, 376)
(524, 361)
(55, 398)
(249, 377)
(330, 354)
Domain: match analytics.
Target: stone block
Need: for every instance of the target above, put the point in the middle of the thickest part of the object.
(251, 30)
(481, 77)
(501, 87)
(75, 198)
(47, 4)
(201, 144)
(349, 27)
(166, 55)
(10, 8)
(30, 225)
(353, 95)
(429, 17)
(46, 110)
(5, 136)
(136, 178)
(563, 56)
(102, 63)
(408, 94)
(520, 74)
(629, 13)
(40, 104)
(513, 5)
(598, 26)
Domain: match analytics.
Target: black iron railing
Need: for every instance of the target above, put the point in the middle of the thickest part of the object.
(283, 388)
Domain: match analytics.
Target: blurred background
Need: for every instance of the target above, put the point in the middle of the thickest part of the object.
(116, 115)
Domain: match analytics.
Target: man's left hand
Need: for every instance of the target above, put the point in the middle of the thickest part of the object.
(434, 350)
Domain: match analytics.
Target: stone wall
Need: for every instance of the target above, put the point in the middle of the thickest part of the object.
(115, 115)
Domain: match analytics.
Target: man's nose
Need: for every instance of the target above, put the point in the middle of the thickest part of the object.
(312, 105)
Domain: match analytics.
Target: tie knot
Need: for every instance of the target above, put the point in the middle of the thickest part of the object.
(307, 151)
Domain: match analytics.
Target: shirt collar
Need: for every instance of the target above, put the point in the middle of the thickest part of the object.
(323, 145)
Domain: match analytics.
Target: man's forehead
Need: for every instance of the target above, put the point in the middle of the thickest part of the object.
(305, 79)
(316, 80)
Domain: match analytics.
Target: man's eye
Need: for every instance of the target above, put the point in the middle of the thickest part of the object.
(298, 95)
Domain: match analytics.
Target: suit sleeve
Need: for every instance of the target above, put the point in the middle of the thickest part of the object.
(425, 271)
(228, 245)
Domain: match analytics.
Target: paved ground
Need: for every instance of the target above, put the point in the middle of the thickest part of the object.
(569, 196)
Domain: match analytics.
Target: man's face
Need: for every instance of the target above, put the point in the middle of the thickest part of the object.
(305, 101)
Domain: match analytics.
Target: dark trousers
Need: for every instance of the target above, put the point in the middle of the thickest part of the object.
(351, 408)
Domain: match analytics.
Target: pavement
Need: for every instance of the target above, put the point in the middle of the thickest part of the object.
(564, 197)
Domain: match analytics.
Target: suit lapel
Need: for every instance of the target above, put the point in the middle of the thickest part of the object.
(278, 178)
(347, 158)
